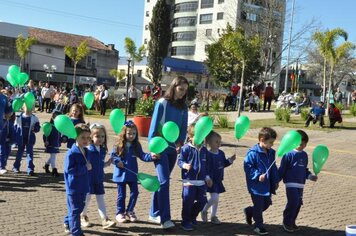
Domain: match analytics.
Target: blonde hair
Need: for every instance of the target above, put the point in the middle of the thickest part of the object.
(97, 128)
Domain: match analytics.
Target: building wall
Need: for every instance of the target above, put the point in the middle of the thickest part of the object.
(46, 54)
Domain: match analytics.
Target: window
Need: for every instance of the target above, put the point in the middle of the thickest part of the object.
(146, 27)
(186, 7)
(145, 41)
(139, 73)
(220, 16)
(183, 51)
(93, 63)
(184, 21)
(184, 36)
(207, 4)
(8, 48)
(147, 13)
(208, 32)
(206, 19)
(220, 1)
(48, 50)
(206, 47)
(218, 31)
(251, 16)
(148, 1)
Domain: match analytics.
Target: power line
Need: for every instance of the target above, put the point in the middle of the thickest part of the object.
(63, 13)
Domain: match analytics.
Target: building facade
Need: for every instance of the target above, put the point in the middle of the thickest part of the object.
(49, 50)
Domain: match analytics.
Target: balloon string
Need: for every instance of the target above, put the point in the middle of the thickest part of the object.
(270, 166)
(312, 192)
(130, 170)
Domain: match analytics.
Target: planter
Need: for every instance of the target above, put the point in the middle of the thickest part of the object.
(143, 125)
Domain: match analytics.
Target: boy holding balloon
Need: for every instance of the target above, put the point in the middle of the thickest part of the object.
(262, 177)
(294, 171)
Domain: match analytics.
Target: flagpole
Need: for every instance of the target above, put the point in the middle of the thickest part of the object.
(290, 40)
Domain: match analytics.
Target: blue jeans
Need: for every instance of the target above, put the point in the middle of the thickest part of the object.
(29, 157)
(121, 190)
(75, 205)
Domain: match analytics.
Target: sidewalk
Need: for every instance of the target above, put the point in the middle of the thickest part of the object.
(36, 205)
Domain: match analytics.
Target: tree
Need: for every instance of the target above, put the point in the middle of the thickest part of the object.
(118, 74)
(325, 42)
(130, 48)
(76, 55)
(23, 46)
(160, 32)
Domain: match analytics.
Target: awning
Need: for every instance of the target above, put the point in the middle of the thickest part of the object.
(181, 65)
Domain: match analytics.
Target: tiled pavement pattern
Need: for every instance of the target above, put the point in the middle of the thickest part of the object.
(36, 205)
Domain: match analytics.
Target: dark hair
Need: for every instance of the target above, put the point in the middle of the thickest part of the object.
(81, 128)
(304, 135)
(2, 80)
(180, 103)
(267, 133)
(211, 135)
(121, 142)
(55, 113)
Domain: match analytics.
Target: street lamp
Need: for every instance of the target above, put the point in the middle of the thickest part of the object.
(127, 87)
(49, 71)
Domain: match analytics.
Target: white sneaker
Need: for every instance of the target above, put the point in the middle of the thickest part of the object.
(3, 171)
(168, 224)
(84, 221)
(215, 220)
(155, 219)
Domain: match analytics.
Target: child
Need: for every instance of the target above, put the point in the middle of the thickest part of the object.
(96, 156)
(217, 162)
(26, 125)
(6, 139)
(52, 144)
(193, 162)
(76, 114)
(316, 114)
(260, 182)
(124, 156)
(76, 167)
(294, 171)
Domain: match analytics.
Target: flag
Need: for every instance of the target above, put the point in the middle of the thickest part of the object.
(292, 76)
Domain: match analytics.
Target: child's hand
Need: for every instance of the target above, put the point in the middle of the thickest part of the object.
(233, 157)
(108, 162)
(120, 164)
(46, 143)
(262, 178)
(313, 178)
(89, 167)
(178, 147)
(155, 156)
(187, 166)
(209, 183)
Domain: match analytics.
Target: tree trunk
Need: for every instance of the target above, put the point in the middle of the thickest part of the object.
(324, 81)
(74, 72)
(329, 90)
(241, 88)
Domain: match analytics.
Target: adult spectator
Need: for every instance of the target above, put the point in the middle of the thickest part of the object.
(334, 115)
(104, 95)
(157, 91)
(172, 107)
(316, 114)
(46, 94)
(268, 97)
(305, 103)
(132, 99)
(235, 88)
(194, 114)
(39, 96)
(146, 92)
(73, 98)
(338, 96)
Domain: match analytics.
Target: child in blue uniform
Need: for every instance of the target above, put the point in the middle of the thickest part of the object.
(260, 182)
(26, 125)
(76, 114)
(6, 140)
(124, 157)
(217, 162)
(52, 144)
(76, 167)
(294, 171)
(193, 162)
(96, 156)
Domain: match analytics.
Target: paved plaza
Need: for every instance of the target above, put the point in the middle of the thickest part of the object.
(36, 205)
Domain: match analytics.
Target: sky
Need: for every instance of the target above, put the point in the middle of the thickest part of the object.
(110, 21)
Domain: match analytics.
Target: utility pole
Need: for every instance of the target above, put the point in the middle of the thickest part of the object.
(290, 40)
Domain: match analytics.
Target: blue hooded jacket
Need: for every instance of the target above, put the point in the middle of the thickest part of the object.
(97, 160)
(256, 163)
(53, 139)
(34, 128)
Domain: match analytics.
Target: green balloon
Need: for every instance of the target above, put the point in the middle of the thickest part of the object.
(17, 104)
(117, 120)
(290, 140)
(242, 125)
(170, 131)
(29, 100)
(89, 99)
(157, 145)
(14, 71)
(149, 182)
(65, 126)
(46, 128)
(22, 78)
(202, 128)
(320, 155)
(11, 80)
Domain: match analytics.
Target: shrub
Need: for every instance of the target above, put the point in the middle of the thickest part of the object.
(353, 109)
(339, 106)
(215, 105)
(145, 107)
(282, 114)
(202, 107)
(304, 113)
(222, 121)
(286, 115)
(279, 113)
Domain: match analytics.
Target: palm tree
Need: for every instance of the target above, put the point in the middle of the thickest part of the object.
(118, 74)
(23, 46)
(325, 42)
(76, 55)
(136, 56)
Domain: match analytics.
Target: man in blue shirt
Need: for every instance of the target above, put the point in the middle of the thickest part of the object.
(316, 114)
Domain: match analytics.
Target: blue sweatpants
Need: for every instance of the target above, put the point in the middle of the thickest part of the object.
(294, 203)
(29, 157)
(5, 150)
(194, 200)
(160, 200)
(260, 204)
(75, 205)
(121, 190)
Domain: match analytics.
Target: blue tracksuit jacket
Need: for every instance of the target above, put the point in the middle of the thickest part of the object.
(75, 172)
(256, 163)
(121, 175)
(217, 163)
(5, 108)
(34, 128)
(54, 140)
(96, 174)
(294, 169)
